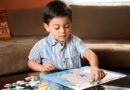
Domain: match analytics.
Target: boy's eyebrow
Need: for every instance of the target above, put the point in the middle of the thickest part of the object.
(58, 24)
(55, 24)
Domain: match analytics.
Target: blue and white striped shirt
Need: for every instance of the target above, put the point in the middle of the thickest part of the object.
(66, 56)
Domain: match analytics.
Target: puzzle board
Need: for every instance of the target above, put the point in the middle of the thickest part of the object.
(79, 78)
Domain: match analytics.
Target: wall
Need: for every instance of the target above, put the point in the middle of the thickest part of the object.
(21, 4)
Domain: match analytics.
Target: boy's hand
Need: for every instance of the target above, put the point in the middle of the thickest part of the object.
(96, 73)
(47, 67)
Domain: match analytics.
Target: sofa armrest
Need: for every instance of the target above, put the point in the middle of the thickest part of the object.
(14, 54)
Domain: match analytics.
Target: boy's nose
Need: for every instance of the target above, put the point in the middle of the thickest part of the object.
(62, 30)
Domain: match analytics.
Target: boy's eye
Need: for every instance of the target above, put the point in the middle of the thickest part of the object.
(57, 28)
(67, 26)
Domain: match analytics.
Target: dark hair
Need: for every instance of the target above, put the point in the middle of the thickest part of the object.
(54, 9)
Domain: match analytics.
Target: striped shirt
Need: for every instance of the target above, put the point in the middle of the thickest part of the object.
(66, 56)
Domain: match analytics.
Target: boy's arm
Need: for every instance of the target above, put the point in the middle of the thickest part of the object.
(96, 73)
(91, 57)
(34, 65)
(38, 67)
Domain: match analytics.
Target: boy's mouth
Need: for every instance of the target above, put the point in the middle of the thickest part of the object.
(62, 36)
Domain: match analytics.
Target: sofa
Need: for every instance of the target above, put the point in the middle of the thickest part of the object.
(26, 29)
(105, 29)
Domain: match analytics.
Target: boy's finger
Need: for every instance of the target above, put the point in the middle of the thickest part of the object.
(48, 68)
(102, 75)
(51, 66)
(92, 77)
(96, 77)
(99, 76)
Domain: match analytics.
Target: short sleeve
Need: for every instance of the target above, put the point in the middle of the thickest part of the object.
(35, 53)
(80, 45)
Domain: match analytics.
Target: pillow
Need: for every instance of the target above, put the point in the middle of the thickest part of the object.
(4, 28)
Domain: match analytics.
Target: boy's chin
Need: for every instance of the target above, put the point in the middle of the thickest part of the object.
(61, 41)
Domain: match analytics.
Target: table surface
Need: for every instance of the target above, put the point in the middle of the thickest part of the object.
(120, 84)
(116, 84)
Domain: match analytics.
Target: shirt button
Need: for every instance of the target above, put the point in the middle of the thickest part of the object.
(63, 61)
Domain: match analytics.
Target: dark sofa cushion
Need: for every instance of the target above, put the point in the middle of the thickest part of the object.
(26, 22)
(112, 53)
(101, 22)
(14, 54)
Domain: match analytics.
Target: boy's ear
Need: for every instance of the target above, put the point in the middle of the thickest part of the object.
(46, 27)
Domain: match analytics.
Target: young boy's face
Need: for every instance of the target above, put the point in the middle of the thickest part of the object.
(59, 27)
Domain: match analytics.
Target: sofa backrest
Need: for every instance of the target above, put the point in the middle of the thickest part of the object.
(92, 22)
(101, 22)
(26, 22)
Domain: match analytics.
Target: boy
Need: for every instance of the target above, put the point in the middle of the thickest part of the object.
(61, 50)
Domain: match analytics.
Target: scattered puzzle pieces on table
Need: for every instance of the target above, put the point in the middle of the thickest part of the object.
(27, 84)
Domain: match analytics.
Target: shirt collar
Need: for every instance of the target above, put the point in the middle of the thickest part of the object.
(51, 40)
